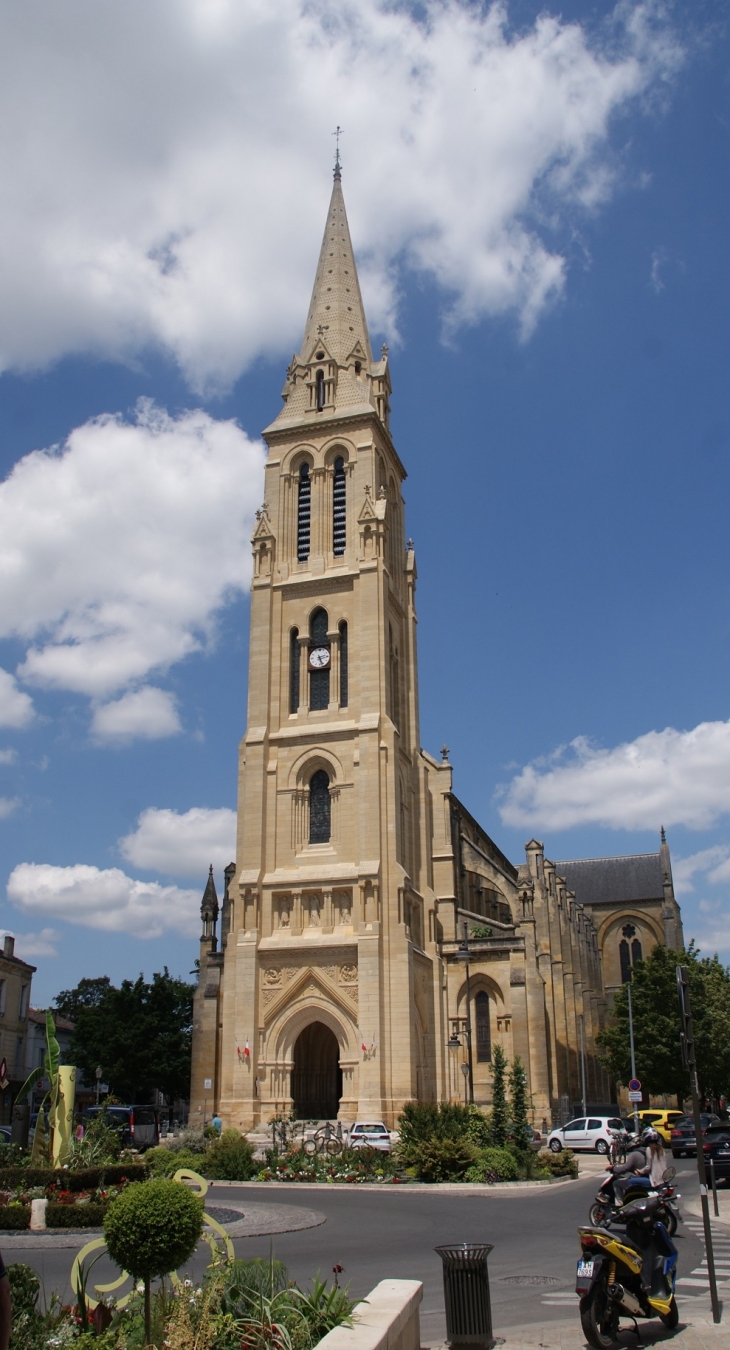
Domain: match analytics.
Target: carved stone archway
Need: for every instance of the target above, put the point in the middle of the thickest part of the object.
(316, 1077)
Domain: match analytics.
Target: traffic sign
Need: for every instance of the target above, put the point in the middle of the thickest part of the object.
(635, 1096)
(634, 1085)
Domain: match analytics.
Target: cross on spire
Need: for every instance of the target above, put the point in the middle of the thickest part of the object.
(338, 167)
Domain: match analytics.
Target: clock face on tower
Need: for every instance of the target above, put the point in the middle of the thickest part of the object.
(319, 658)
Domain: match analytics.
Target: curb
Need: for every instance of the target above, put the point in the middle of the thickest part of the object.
(410, 1187)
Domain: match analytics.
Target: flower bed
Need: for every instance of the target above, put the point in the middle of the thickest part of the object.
(353, 1165)
(75, 1199)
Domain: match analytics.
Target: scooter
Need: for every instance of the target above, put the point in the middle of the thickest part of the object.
(633, 1277)
(605, 1210)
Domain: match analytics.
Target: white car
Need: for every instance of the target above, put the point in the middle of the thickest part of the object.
(370, 1134)
(588, 1132)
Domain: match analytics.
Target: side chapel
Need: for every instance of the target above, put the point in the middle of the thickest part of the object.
(339, 979)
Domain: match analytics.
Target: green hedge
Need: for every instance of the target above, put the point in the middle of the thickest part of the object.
(14, 1216)
(563, 1164)
(74, 1216)
(87, 1179)
(494, 1164)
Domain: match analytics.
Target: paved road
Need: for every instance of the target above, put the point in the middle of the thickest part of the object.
(380, 1233)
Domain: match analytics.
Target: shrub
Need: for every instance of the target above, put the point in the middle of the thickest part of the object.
(478, 1128)
(152, 1229)
(12, 1155)
(499, 1115)
(164, 1162)
(494, 1164)
(90, 1179)
(74, 1216)
(444, 1159)
(187, 1141)
(24, 1288)
(229, 1158)
(15, 1216)
(563, 1164)
(425, 1121)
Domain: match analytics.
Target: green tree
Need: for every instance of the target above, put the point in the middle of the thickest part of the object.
(140, 1034)
(657, 1026)
(87, 994)
(499, 1117)
(521, 1132)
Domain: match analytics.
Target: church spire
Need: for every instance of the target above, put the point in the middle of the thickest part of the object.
(336, 314)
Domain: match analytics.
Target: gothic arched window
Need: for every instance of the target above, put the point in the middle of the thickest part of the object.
(339, 509)
(484, 1033)
(628, 954)
(294, 663)
(319, 676)
(343, 665)
(304, 513)
(320, 390)
(319, 808)
(625, 959)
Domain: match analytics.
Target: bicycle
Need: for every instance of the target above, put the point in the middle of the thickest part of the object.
(327, 1139)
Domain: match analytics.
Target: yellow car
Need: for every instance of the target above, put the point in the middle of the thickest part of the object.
(661, 1121)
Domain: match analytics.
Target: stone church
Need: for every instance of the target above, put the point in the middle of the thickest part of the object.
(365, 899)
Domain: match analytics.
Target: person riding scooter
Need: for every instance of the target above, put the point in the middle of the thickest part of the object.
(638, 1166)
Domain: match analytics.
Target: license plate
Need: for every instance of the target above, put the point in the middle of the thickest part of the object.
(585, 1270)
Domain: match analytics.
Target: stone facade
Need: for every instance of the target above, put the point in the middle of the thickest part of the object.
(339, 979)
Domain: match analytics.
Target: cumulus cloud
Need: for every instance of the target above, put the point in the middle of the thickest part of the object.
(148, 714)
(118, 549)
(105, 899)
(7, 806)
(32, 946)
(158, 192)
(16, 707)
(182, 844)
(711, 863)
(664, 777)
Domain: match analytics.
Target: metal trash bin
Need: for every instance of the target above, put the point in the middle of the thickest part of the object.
(466, 1294)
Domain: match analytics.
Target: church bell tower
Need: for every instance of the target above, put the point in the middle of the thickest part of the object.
(328, 990)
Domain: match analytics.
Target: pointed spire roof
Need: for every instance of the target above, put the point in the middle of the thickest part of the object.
(336, 314)
(209, 903)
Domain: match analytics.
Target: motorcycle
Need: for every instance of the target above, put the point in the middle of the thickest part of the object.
(604, 1211)
(632, 1277)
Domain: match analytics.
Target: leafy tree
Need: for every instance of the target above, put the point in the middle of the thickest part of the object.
(521, 1131)
(151, 1229)
(657, 1026)
(140, 1035)
(87, 994)
(499, 1117)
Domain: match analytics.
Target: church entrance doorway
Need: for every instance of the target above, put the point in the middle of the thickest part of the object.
(316, 1080)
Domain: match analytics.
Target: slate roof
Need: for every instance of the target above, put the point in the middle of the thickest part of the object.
(606, 881)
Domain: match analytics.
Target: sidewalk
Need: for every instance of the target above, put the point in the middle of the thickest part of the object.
(693, 1206)
(696, 1331)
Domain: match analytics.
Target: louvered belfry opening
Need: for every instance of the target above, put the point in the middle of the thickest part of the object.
(304, 513)
(339, 509)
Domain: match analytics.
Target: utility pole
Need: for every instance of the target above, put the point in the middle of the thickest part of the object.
(689, 1059)
(582, 1065)
(633, 1055)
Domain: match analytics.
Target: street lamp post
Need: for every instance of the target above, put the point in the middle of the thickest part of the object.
(463, 954)
(97, 1075)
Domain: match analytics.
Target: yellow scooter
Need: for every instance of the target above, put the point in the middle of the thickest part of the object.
(630, 1277)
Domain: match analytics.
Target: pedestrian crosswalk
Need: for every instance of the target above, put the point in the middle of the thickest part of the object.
(697, 1281)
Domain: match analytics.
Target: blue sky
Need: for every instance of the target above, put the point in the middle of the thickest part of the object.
(539, 206)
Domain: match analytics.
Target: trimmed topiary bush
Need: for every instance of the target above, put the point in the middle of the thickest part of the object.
(563, 1164)
(444, 1159)
(494, 1164)
(74, 1216)
(229, 1158)
(152, 1229)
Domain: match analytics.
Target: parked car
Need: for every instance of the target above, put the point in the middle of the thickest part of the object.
(593, 1133)
(661, 1121)
(139, 1125)
(370, 1134)
(716, 1147)
(684, 1142)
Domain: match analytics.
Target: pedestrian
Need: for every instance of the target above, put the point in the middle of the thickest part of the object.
(5, 1308)
(217, 1123)
(655, 1158)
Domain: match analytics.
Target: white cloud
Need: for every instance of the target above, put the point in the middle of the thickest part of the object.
(182, 845)
(8, 756)
(710, 862)
(168, 176)
(664, 777)
(7, 806)
(108, 900)
(16, 708)
(148, 714)
(117, 550)
(31, 946)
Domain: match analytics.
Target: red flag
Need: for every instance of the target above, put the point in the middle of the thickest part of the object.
(364, 1048)
(246, 1051)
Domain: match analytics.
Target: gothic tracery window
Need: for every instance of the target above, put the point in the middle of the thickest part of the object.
(319, 808)
(484, 1034)
(629, 950)
(339, 509)
(304, 513)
